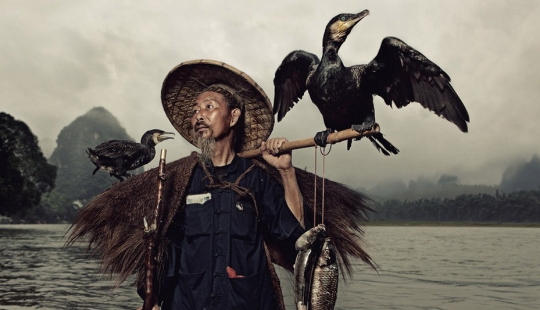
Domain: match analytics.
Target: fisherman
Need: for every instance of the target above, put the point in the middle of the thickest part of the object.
(217, 254)
(226, 220)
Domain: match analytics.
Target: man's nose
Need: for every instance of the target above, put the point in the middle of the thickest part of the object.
(197, 116)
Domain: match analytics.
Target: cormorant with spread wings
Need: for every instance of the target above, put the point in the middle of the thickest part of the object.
(344, 95)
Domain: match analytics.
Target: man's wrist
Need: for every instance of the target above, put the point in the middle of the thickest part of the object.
(287, 172)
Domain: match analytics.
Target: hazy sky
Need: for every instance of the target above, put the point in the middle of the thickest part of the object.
(59, 59)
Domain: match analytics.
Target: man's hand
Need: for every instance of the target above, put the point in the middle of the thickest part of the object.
(270, 150)
(283, 163)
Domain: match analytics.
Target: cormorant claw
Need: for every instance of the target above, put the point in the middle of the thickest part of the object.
(363, 127)
(119, 177)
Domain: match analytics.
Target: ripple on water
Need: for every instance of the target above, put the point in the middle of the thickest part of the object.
(420, 268)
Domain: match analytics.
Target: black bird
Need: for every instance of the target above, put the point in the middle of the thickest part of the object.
(119, 156)
(344, 95)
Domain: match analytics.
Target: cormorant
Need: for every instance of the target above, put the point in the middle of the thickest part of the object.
(344, 95)
(119, 156)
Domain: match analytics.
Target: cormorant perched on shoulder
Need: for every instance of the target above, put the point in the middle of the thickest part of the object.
(344, 95)
(119, 156)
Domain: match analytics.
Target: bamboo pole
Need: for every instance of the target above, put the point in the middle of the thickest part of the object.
(332, 138)
(151, 234)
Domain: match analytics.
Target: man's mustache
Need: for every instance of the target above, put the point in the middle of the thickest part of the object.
(201, 124)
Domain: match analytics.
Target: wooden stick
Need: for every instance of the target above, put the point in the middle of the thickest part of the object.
(152, 233)
(333, 138)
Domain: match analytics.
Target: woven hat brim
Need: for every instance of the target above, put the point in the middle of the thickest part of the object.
(187, 80)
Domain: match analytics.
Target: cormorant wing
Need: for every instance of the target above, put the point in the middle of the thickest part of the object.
(401, 74)
(290, 80)
(119, 148)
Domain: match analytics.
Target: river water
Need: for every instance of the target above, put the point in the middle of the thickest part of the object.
(420, 268)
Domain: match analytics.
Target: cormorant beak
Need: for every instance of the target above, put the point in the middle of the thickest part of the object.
(161, 137)
(353, 21)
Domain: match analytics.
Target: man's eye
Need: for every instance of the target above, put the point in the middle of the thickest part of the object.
(209, 106)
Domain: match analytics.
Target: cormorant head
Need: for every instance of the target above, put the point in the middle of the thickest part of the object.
(339, 28)
(155, 136)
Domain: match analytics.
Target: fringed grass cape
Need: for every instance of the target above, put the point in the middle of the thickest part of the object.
(112, 222)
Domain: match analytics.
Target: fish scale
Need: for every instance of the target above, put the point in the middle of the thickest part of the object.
(325, 279)
(316, 271)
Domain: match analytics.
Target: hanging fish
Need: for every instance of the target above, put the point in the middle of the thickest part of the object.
(315, 271)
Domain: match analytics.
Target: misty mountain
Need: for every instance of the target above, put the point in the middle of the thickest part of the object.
(74, 178)
(446, 186)
(524, 176)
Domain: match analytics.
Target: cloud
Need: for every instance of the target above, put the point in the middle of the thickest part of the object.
(59, 59)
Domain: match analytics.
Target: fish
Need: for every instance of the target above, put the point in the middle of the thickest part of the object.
(316, 271)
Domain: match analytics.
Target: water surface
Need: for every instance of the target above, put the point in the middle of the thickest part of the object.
(420, 268)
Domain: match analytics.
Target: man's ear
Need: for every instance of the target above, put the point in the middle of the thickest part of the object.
(235, 116)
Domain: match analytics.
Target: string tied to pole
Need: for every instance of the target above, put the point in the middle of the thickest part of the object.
(324, 153)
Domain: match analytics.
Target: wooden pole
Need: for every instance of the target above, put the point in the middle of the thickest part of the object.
(151, 234)
(332, 138)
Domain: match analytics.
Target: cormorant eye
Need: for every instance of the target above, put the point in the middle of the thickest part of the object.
(342, 18)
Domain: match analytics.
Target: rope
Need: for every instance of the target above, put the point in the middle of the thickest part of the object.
(324, 154)
(234, 186)
(315, 191)
(323, 168)
(323, 148)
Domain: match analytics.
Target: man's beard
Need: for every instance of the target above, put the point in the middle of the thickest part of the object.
(207, 149)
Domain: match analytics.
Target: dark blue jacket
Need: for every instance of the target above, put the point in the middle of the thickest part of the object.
(227, 231)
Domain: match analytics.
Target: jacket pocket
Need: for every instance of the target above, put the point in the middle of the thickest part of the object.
(244, 292)
(198, 219)
(190, 291)
(243, 221)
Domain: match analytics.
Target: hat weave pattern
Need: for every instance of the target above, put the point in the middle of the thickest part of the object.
(186, 81)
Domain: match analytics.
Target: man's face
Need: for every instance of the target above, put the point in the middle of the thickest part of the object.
(211, 116)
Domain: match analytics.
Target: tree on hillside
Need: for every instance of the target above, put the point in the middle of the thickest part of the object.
(25, 173)
(448, 179)
(517, 207)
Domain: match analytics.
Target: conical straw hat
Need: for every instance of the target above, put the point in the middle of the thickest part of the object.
(187, 80)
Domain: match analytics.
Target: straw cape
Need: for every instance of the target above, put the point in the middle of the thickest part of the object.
(112, 222)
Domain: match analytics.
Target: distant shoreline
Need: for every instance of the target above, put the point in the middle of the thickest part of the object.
(449, 224)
